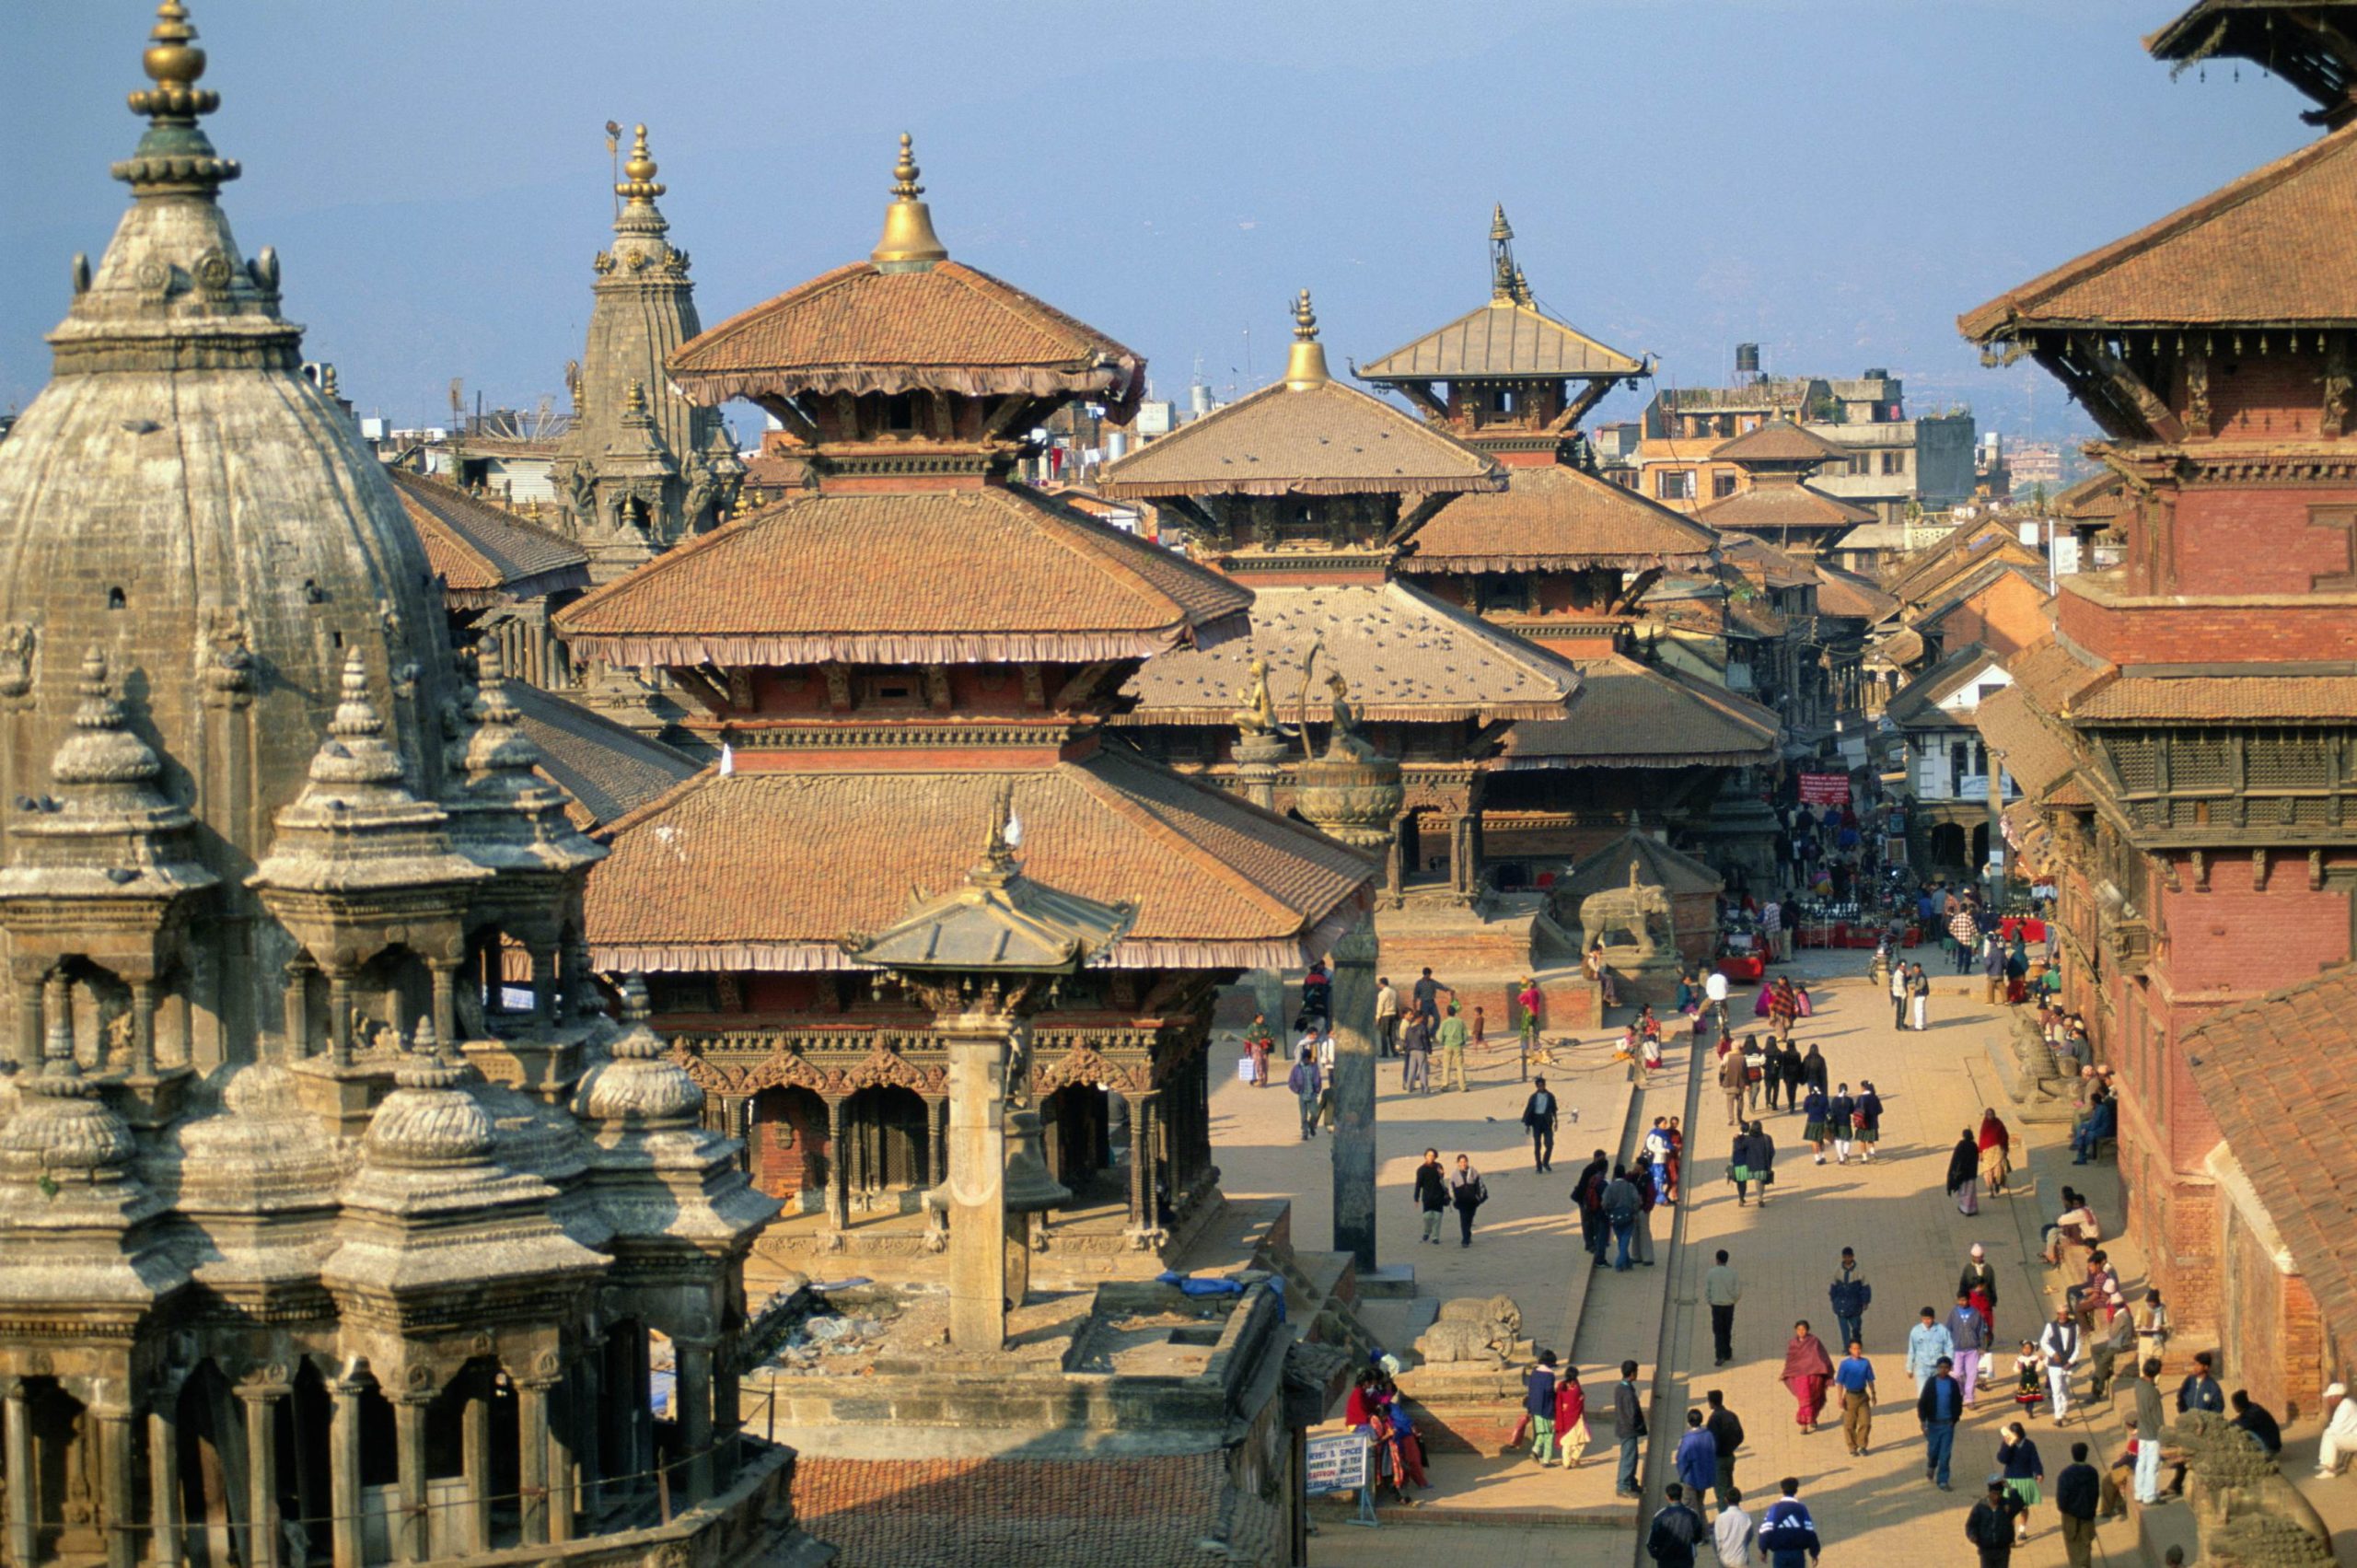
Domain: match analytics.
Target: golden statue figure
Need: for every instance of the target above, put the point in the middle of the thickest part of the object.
(1259, 713)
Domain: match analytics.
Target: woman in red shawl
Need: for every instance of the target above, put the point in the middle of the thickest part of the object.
(1996, 1154)
(1571, 1417)
(1808, 1369)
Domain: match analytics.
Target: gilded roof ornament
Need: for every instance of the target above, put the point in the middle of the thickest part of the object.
(174, 156)
(909, 244)
(1506, 286)
(1306, 363)
(638, 187)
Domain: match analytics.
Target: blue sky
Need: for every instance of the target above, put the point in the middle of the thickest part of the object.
(1835, 178)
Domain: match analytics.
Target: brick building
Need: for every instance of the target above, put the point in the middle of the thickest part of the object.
(2186, 734)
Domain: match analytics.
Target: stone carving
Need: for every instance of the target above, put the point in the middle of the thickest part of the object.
(225, 659)
(17, 643)
(882, 1067)
(1471, 1328)
(1640, 912)
(1082, 1065)
(2237, 1483)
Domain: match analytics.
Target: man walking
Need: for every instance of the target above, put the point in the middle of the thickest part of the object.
(1856, 1378)
(1851, 1297)
(1539, 1116)
(1714, 996)
(1722, 1290)
(2060, 1345)
(1432, 1193)
(1452, 1050)
(1928, 1349)
(1587, 1196)
(1939, 1407)
(1969, 1332)
(1733, 1074)
(1698, 1456)
(2149, 1421)
(1981, 1275)
(1990, 1526)
(1787, 1534)
(1386, 1017)
(1727, 1432)
(1416, 1046)
(1677, 1531)
(1304, 1083)
(1627, 1428)
(1621, 1202)
(1733, 1532)
(2076, 1493)
(1898, 993)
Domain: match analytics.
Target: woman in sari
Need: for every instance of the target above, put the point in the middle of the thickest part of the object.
(1571, 1417)
(1964, 1175)
(1808, 1369)
(1996, 1154)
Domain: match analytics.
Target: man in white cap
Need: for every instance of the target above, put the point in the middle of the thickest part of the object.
(2340, 1438)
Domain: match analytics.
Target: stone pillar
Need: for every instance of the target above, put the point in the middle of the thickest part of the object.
(532, 1458)
(408, 1531)
(344, 1476)
(261, 1473)
(589, 1410)
(544, 985)
(977, 1186)
(1461, 876)
(1353, 1145)
(116, 1484)
(937, 1124)
(142, 1029)
(561, 1495)
(474, 1450)
(1260, 762)
(1143, 1107)
(164, 1485)
(694, 1368)
(838, 1172)
(727, 1420)
(57, 1012)
(295, 1011)
(16, 1454)
(445, 974)
(340, 1017)
(31, 984)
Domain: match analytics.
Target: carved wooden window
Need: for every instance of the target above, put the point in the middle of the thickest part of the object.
(684, 993)
(2289, 762)
(2137, 760)
(2201, 761)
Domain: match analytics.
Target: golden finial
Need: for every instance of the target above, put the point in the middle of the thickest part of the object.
(638, 185)
(909, 244)
(174, 154)
(1521, 287)
(634, 401)
(1500, 231)
(1305, 365)
(1504, 278)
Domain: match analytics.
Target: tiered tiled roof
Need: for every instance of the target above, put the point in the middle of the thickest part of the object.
(1554, 518)
(1321, 439)
(1849, 595)
(2034, 751)
(1778, 441)
(1920, 577)
(1408, 658)
(2053, 675)
(2279, 1078)
(1632, 715)
(1764, 565)
(2142, 699)
(2269, 248)
(486, 555)
(1503, 339)
(2098, 498)
(947, 327)
(992, 574)
(1918, 701)
(1776, 508)
(768, 870)
(1656, 865)
(1171, 1511)
(609, 769)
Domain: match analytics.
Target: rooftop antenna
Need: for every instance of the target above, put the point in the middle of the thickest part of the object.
(614, 156)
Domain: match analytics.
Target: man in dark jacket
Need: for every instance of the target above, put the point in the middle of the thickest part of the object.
(2259, 1421)
(1676, 1530)
(1787, 1534)
(1628, 1427)
(1538, 1114)
(1728, 1433)
(1990, 1526)
(1621, 1202)
(2199, 1391)
(1851, 1297)
(2077, 1490)
(1939, 1407)
(1587, 1196)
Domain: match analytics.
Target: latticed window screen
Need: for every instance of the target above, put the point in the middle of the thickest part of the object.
(2201, 761)
(2289, 761)
(2137, 759)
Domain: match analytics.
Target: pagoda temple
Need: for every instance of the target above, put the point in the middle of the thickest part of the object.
(2184, 741)
(337, 1222)
(877, 659)
(1564, 559)
(1776, 503)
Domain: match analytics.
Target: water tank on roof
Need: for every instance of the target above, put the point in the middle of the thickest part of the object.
(1747, 359)
(1876, 372)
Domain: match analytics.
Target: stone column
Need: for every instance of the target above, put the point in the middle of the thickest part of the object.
(937, 1124)
(408, 1531)
(344, 1476)
(1143, 1107)
(445, 976)
(164, 1485)
(57, 1013)
(16, 1453)
(1352, 1146)
(544, 985)
(561, 1494)
(694, 1368)
(838, 1171)
(340, 1017)
(587, 1410)
(116, 1484)
(142, 1029)
(261, 1473)
(295, 1011)
(474, 1449)
(727, 1420)
(532, 1458)
(977, 1186)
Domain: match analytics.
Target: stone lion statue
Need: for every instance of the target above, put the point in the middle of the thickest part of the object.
(1475, 1329)
(2238, 1484)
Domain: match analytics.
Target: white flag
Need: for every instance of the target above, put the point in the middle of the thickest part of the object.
(1014, 830)
(727, 760)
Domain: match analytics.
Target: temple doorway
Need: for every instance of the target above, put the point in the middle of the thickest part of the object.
(1079, 1127)
(788, 1142)
(886, 1134)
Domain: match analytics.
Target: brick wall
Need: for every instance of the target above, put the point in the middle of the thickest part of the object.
(789, 1141)
(2207, 633)
(2238, 540)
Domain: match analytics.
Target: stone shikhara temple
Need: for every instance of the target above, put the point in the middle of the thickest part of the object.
(337, 1221)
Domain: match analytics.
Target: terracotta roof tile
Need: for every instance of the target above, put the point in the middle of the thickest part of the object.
(2279, 1078)
(1326, 439)
(1502, 339)
(1166, 1511)
(1762, 565)
(2263, 698)
(2099, 497)
(1920, 698)
(486, 554)
(2038, 756)
(1406, 656)
(998, 574)
(1918, 577)
(1552, 518)
(2053, 676)
(1657, 865)
(948, 328)
(610, 770)
(1849, 595)
(767, 869)
(2270, 247)
(1778, 441)
(1632, 715)
(1773, 508)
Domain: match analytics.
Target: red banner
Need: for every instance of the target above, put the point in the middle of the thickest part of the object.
(1825, 789)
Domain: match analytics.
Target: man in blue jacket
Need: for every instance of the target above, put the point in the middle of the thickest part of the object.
(1939, 1407)
(1698, 1456)
(1786, 1532)
(1851, 1297)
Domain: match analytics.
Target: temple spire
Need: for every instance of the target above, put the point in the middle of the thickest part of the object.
(639, 186)
(909, 244)
(174, 156)
(1502, 267)
(1305, 365)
